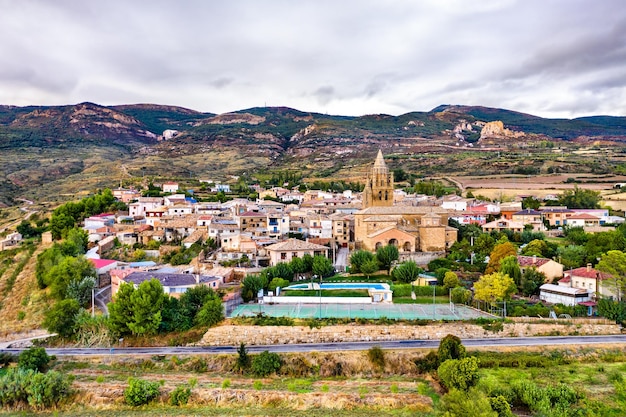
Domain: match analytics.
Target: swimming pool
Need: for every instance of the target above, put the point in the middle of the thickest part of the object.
(340, 286)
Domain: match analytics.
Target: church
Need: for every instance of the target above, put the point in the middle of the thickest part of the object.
(412, 229)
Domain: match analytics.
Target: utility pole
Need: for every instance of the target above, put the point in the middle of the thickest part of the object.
(93, 299)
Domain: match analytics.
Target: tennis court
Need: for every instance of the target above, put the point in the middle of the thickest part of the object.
(364, 311)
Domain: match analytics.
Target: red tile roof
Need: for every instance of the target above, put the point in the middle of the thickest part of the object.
(101, 263)
(586, 272)
(525, 261)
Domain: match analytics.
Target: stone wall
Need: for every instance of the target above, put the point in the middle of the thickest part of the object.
(229, 334)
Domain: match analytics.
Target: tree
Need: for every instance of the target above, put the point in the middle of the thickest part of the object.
(572, 256)
(80, 290)
(266, 363)
(580, 199)
(26, 229)
(461, 374)
(61, 318)
(78, 237)
(500, 251)
(322, 266)
(121, 309)
(451, 280)
(280, 270)
(358, 258)
(60, 224)
(297, 265)
(599, 243)
(614, 263)
(461, 295)
(386, 256)
(532, 279)
(276, 283)
(612, 310)
(510, 266)
(536, 247)
(406, 272)
(146, 303)
(34, 358)
(243, 359)
(369, 267)
(531, 203)
(494, 287)
(450, 347)
(251, 285)
(68, 270)
(212, 311)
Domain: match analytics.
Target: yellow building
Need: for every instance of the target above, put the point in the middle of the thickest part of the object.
(410, 228)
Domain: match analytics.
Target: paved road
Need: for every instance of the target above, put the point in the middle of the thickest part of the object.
(334, 347)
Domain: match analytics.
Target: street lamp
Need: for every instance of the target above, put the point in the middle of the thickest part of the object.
(434, 288)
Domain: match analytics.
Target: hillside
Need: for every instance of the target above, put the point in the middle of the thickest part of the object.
(47, 151)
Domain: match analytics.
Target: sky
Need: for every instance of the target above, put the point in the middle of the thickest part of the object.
(551, 58)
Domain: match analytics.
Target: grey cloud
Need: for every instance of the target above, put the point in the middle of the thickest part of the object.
(324, 94)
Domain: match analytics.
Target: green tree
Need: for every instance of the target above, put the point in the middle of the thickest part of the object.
(406, 272)
(121, 309)
(532, 279)
(322, 266)
(146, 303)
(576, 235)
(580, 199)
(450, 347)
(80, 290)
(370, 267)
(358, 258)
(600, 243)
(60, 224)
(78, 237)
(276, 283)
(531, 203)
(386, 256)
(251, 285)
(451, 280)
(243, 359)
(614, 263)
(612, 310)
(180, 395)
(297, 265)
(211, 313)
(280, 270)
(61, 318)
(461, 295)
(47, 390)
(494, 287)
(572, 256)
(500, 251)
(510, 266)
(34, 358)
(536, 247)
(266, 363)
(461, 374)
(68, 270)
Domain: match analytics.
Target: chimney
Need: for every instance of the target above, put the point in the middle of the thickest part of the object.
(588, 267)
(197, 277)
(534, 259)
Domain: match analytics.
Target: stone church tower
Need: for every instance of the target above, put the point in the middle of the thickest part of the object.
(378, 190)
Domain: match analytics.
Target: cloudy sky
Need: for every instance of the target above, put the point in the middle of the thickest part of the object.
(551, 58)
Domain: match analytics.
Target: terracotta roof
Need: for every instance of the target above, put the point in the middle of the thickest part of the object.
(583, 216)
(586, 272)
(295, 244)
(525, 261)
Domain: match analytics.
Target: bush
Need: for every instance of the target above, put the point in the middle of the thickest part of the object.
(140, 392)
(428, 363)
(465, 404)
(377, 357)
(6, 358)
(46, 390)
(461, 374)
(461, 295)
(450, 347)
(501, 406)
(266, 363)
(180, 395)
(243, 359)
(34, 358)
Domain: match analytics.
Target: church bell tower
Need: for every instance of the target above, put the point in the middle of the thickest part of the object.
(378, 190)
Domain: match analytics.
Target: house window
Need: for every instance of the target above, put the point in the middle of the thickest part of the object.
(283, 255)
(294, 255)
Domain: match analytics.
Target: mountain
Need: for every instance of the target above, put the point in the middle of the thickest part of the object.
(50, 150)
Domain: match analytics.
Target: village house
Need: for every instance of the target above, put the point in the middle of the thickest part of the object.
(138, 208)
(551, 269)
(508, 209)
(530, 217)
(293, 248)
(173, 284)
(11, 240)
(343, 228)
(503, 224)
(170, 187)
(590, 279)
(556, 216)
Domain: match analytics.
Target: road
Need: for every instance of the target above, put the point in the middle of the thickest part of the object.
(336, 347)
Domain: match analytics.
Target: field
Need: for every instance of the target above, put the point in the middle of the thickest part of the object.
(338, 384)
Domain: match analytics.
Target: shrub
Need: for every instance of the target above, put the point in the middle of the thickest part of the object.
(34, 358)
(501, 406)
(377, 357)
(226, 383)
(140, 391)
(461, 374)
(465, 404)
(257, 385)
(266, 363)
(46, 390)
(428, 363)
(461, 295)
(6, 358)
(450, 347)
(180, 395)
